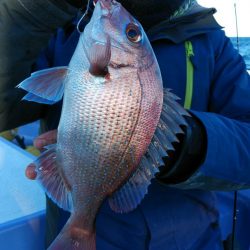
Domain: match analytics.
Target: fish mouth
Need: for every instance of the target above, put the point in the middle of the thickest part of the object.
(106, 8)
(108, 4)
(105, 4)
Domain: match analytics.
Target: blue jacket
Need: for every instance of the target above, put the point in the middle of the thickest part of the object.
(185, 216)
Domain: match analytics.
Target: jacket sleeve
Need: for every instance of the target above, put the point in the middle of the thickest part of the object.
(227, 124)
(25, 29)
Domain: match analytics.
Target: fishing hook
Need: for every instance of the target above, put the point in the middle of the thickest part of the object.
(83, 16)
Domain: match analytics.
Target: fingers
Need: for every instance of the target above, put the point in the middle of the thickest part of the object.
(30, 172)
(46, 139)
(40, 142)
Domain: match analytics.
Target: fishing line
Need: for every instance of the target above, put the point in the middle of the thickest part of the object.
(235, 210)
(82, 18)
(237, 29)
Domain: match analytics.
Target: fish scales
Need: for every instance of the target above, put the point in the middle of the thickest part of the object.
(107, 143)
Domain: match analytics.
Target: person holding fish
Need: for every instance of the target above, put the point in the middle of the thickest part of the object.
(135, 166)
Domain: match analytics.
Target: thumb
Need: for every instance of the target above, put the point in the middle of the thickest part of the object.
(30, 171)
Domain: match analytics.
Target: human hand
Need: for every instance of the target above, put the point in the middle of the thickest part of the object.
(40, 142)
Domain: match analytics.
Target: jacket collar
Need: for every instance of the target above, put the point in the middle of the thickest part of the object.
(194, 21)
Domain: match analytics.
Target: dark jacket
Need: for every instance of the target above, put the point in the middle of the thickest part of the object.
(25, 28)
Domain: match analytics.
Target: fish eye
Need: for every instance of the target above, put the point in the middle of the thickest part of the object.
(133, 33)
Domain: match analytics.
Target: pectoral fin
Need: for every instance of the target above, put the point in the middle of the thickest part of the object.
(45, 86)
(99, 57)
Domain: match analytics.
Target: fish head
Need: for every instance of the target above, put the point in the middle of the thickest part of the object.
(114, 39)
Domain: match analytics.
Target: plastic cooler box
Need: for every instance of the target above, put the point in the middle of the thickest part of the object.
(22, 206)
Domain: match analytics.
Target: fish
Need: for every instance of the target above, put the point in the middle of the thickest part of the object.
(116, 126)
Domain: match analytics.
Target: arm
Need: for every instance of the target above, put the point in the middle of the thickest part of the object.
(225, 164)
(26, 27)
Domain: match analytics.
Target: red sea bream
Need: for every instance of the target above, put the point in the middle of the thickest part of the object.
(116, 125)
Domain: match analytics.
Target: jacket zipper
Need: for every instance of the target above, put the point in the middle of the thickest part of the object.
(190, 75)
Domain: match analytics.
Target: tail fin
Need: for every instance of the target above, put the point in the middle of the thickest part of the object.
(74, 238)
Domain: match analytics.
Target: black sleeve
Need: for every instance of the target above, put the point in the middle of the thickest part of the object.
(25, 28)
(188, 155)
